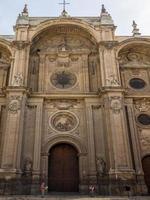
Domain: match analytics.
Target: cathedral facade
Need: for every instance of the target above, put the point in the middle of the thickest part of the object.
(74, 107)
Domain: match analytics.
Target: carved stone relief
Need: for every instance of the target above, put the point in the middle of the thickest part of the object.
(116, 104)
(62, 104)
(144, 140)
(4, 58)
(18, 79)
(142, 105)
(64, 121)
(14, 104)
(20, 44)
(133, 59)
(112, 81)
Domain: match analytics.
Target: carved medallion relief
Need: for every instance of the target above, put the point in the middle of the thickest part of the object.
(63, 121)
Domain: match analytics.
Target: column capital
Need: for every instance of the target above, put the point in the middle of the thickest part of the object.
(20, 45)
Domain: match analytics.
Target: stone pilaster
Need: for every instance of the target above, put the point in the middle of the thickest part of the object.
(114, 101)
(41, 73)
(91, 144)
(13, 133)
(37, 141)
(108, 65)
(85, 72)
(19, 71)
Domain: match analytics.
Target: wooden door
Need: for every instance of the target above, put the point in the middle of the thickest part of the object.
(63, 170)
(146, 169)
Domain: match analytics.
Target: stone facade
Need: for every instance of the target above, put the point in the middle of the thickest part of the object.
(72, 80)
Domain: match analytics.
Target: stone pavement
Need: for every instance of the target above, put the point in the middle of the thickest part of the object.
(73, 197)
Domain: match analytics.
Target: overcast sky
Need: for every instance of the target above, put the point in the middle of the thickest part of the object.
(123, 12)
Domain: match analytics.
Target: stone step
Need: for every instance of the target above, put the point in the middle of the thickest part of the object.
(67, 197)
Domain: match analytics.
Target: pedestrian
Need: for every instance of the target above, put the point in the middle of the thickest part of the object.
(43, 188)
(91, 190)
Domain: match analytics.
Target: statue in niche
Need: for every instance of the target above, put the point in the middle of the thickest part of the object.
(27, 166)
(101, 166)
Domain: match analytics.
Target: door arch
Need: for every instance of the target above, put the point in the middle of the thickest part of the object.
(63, 169)
(146, 169)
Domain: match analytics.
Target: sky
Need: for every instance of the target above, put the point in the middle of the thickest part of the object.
(123, 12)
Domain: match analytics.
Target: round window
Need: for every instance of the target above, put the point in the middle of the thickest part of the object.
(137, 83)
(63, 79)
(144, 119)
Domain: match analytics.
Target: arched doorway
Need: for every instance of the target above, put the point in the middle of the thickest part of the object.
(146, 169)
(63, 169)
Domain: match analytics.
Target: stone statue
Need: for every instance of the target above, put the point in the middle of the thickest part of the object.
(101, 166)
(27, 166)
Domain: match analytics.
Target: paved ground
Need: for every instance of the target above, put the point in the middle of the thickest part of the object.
(74, 197)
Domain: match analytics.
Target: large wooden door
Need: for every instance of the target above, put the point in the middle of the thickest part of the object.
(63, 170)
(146, 169)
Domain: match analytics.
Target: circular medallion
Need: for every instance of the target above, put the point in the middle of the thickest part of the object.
(144, 119)
(64, 121)
(137, 83)
(63, 79)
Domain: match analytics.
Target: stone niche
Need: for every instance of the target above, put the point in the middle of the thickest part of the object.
(134, 67)
(63, 59)
(5, 62)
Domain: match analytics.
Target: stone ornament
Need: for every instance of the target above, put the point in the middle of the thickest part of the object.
(14, 104)
(142, 105)
(64, 122)
(112, 81)
(116, 104)
(18, 79)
